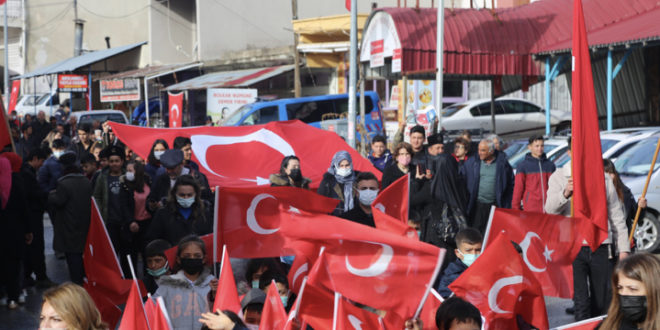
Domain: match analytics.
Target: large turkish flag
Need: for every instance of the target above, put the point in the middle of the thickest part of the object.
(245, 156)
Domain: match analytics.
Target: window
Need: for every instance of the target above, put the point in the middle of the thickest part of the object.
(341, 105)
(262, 116)
(310, 112)
(483, 109)
(513, 107)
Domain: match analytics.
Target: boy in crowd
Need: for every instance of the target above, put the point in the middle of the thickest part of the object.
(156, 262)
(532, 175)
(380, 157)
(468, 243)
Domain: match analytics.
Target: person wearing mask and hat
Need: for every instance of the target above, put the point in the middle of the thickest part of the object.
(71, 202)
(290, 174)
(338, 181)
(172, 160)
(52, 168)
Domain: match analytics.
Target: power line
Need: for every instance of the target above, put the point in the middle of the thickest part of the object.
(60, 15)
(245, 19)
(112, 17)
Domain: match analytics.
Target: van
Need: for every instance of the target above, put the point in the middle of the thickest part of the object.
(33, 103)
(327, 112)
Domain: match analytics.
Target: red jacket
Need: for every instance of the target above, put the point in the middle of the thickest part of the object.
(531, 187)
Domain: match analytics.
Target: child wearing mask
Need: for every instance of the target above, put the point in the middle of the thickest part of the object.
(186, 293)
(266, 280)
(468, 243)
(156, 262)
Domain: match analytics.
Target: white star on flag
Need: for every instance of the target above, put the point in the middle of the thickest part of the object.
(548, 253)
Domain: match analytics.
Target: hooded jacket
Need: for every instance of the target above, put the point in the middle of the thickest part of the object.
(531, 185)
(185, 300)
(381, 162)
(49, 173)
(504, 180)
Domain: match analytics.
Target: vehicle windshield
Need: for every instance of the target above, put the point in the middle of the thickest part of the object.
(565, 157)
(516, 159)
(452, 109)
(636, 161)
(606, 144)
(237, 115)
(43, 98)
(30, 99)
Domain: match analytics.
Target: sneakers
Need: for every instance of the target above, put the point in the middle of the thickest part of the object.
(12, 305)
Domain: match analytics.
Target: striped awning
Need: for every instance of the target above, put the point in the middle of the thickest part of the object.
(238, 78)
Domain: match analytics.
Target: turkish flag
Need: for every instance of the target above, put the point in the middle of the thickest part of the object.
(549, 245)
(100, 261)
(249, 218)
(170, 253)
(175, 102)
(431, 305)
(393, 200)
(256, 151)
(110, 313)
(589, 198)
(316, 307)
(368, 265)
(157, 314)
(588, 324)
(392, 225)
(226, 296)
(13, 97)
(350, 316)
(5, 136)
(306, 254)
(500, 285)
(134, 317)
(273, 316)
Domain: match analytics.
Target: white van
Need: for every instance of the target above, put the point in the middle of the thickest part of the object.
(33, 103)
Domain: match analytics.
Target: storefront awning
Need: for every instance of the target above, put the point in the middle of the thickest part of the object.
(75, 63)
(151, 70)
(238, 78)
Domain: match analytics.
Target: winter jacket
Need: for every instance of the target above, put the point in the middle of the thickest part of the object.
(330, 188)
(280, 180)
(160, 188)
(392, 173)
(151, 170)
(72, 203)
(185, 300)
(80, 150)
(170, 225)
(48, 174)
(381, 162)
(101, 197)
(451, 273)
(557, 204)
(35, 197)
(504, 180)
(531, 185)
(14, 222)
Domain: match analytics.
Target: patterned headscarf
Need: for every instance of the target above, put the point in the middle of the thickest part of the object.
(347, 181)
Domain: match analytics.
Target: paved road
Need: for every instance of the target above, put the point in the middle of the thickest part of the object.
(27, 316)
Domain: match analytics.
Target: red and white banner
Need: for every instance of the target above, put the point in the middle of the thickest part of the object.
(396, 60)
(13, 98)
(377, 53)
(175, 102)
(245, 156)
(72, 83)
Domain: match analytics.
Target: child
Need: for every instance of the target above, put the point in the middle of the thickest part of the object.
(468, 243)
(156, 262)
(186, 293)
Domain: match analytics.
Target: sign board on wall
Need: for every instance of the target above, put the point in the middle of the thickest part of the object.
(222, 102)
(377, 54)
(72, 83)
(396, 60)
(120, 90)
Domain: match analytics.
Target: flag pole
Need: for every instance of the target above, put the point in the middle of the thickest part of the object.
(441, 257)
(490, 221)
(646, 186)
(137, 285)
(163, 309)
(335, 311)
(215, 234)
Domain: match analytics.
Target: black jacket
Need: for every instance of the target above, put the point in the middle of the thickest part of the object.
(330, 188)
(160, 188)
(453, 271)
(170, 225)
(391, 173)
(35, 196)
(14, 220)
(359, 216)
(72, 203)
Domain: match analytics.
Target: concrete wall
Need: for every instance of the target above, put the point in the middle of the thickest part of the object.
(172, 32)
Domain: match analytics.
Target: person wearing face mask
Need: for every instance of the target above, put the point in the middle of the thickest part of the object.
(290, 174)
(69, 306)
(153, 160)
(366, 190)
(251, 306)
(186, 293)
(282, 283)
(468, 243)
(156, 263)
(636, 304)
(135, 187)
(253, 271)
(52, 168)
(401, 165)
(184, 213)
(337, 183)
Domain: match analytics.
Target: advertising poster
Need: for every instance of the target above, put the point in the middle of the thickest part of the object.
(120, 90)
(72, 83)
(222, 102)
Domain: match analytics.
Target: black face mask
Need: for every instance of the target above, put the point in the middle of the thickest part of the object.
(633, 308)
(296, 175)
(192, 266)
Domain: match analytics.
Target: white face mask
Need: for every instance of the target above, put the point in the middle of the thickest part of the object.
(157, 154)
(343, 171)
(252, 326)
(130, 176)
(185, 202)
(58, 153)
(367, 196)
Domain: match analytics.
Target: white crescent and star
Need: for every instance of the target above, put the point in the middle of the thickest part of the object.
(524, 245)
(302, 269)
(251, 218)
(355, 322)
(495, 291)
(378, 267)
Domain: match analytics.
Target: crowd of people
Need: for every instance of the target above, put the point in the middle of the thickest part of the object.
(150, 205)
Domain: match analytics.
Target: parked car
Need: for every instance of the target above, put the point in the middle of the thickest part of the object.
(513, 117)
(323, 111)
(514, 147)
(553, 148)
(33, 103)
(88, 117)
(633, 166)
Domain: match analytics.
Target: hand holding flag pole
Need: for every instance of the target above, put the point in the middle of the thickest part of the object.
(646, 186)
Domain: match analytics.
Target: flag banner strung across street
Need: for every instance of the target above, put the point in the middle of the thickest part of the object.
(501, 286)
(589, 198)
(249, 219)
(245, 156)
(549, 245)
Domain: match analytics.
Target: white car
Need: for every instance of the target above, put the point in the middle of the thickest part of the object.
(553, 149)
(513, 117)
(33, 103)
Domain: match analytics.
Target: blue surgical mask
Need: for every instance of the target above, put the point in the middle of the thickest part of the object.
(287, 259)
(159, 272)
(367, 196)
(255, 284)
(285, 300)
(185, 202)
(468, 259)
(419, 234)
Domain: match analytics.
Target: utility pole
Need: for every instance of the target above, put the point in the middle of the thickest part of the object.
(352, 76)
(6, 70)
(296, 55)
(439, 52)
(78, 35)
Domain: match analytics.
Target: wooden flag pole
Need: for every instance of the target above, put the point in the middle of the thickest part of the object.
(646, 186)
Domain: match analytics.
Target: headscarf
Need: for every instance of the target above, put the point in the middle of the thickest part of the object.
(447, 185)
(347, 181)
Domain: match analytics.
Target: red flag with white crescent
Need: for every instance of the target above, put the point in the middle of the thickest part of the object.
(175, 102)
(13, 97)
(245, 156)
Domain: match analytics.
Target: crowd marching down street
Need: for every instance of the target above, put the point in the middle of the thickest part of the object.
(285, 226)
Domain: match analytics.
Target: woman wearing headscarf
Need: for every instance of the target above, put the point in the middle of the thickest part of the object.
(337, 183)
